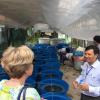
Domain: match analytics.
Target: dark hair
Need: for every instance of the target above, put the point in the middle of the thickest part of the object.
(94, 48)
(68, 50)
(96, 38)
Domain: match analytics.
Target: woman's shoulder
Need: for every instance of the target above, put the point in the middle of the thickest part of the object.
(2, 82)
(8, 91)
(32, 92)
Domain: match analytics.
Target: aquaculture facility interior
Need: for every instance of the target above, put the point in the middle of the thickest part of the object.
(57, 31)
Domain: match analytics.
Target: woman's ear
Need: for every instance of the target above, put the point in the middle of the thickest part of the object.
(29, 71)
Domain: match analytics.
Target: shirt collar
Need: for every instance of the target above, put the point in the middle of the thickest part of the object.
(95, 64)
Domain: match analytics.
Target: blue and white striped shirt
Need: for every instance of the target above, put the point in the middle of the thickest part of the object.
(91, 74)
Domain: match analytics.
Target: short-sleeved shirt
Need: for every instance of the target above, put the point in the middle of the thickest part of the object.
(11, 93)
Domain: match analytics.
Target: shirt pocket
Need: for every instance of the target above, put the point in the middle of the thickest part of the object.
(94, 80)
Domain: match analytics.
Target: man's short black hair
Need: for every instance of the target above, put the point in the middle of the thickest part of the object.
(94, 48)
(97, 38)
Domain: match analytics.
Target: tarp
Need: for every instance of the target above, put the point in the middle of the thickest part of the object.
(77, 18)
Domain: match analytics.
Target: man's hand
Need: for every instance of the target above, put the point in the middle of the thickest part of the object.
(84, 87)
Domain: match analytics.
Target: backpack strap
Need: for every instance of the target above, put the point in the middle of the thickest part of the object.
(23, 90)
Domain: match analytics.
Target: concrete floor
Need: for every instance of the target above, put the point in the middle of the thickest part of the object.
(69, 74)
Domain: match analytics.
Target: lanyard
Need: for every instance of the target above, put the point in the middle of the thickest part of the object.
(88, 71)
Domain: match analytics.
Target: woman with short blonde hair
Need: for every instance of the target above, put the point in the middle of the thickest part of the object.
(18, 64)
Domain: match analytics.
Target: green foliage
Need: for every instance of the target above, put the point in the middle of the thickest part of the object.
(33, 39)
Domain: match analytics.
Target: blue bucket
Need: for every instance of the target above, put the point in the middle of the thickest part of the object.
(30, 82)
(51, 66)
(46, 74)
(55, 86)
(51, 96)
(3, 74)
